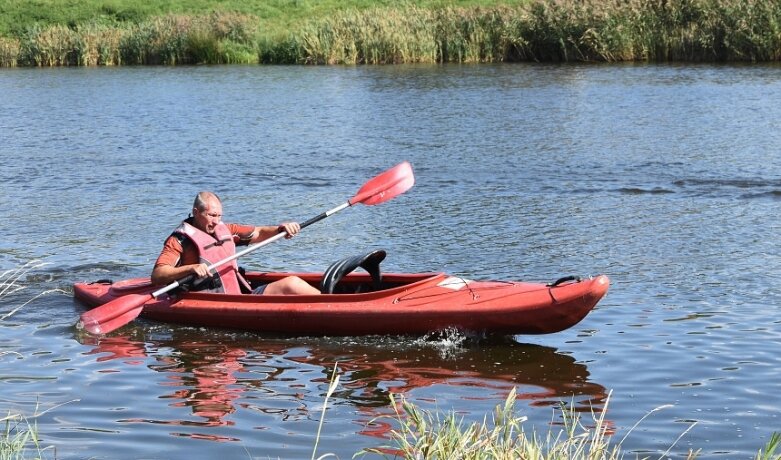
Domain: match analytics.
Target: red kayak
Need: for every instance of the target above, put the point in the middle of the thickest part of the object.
(369, 303)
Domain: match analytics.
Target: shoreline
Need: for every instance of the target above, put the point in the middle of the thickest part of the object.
(539, 31)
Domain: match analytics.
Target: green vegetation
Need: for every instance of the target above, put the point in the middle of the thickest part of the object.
(273, 15)
(19, 435)
(423, 434)
(362, 32)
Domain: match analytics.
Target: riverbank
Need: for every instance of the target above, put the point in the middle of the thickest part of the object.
(538, 31)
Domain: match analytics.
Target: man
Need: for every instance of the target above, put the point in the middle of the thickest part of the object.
(203, 239)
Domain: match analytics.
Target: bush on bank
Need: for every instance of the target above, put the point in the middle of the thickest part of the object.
(542, 31)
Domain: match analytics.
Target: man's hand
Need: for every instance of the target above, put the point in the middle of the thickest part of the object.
(291, 228)
(200, 270)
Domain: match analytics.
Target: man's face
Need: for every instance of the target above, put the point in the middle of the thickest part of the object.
(207, 219)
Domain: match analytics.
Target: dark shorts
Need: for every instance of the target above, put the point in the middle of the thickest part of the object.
(259, 290)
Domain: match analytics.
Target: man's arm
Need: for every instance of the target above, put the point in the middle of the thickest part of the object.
(166, 274)
(265, 232)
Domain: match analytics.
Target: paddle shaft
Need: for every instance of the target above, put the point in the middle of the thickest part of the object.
(190, 278)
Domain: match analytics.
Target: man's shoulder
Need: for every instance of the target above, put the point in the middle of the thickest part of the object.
(239, 228)
(242, 234)
(176, 241)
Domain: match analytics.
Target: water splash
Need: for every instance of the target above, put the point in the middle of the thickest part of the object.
(449, 343)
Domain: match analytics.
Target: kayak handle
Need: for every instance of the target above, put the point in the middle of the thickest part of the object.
(564, 280)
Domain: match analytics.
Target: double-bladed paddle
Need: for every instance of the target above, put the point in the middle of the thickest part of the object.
(120, 311)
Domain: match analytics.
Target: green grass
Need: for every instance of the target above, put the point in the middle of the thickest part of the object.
(433, 435)
(19, 439)
(423, 434)
(275, 15)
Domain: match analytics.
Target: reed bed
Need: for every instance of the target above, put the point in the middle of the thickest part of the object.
(542, 31)
(9, 52)
(218, 38)
(558, 31)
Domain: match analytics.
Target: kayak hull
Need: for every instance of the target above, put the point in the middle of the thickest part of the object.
(414, 304)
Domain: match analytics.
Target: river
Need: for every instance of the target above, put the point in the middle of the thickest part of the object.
(667, 178)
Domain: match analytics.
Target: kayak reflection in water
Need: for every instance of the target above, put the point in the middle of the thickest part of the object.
(203, 239)
(251, 379)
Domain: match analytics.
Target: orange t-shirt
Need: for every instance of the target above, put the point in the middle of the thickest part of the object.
(176, 254)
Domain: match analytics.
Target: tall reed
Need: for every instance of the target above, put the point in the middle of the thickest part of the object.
(51, 46)
(555, 30)
(538, 30)
(98, 44)
(9, 52)
(218, 38)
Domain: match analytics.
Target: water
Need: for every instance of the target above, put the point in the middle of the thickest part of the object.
(665, 177)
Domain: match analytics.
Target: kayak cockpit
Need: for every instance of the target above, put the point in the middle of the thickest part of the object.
(351, 283)
(335, 279)
(341, 277)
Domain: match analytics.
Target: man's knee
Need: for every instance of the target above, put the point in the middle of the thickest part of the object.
(290, 285)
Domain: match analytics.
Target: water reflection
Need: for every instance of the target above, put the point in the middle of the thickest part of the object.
(218, 377)
(203, 375)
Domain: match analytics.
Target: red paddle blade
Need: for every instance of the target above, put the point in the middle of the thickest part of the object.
(114, 314)
(386, 186)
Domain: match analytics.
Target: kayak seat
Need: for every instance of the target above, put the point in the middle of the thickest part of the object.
(336, 271)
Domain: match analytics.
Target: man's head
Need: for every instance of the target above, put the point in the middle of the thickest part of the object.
(207, 211)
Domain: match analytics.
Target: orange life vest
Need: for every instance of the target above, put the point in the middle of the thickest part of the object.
(212, 249)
